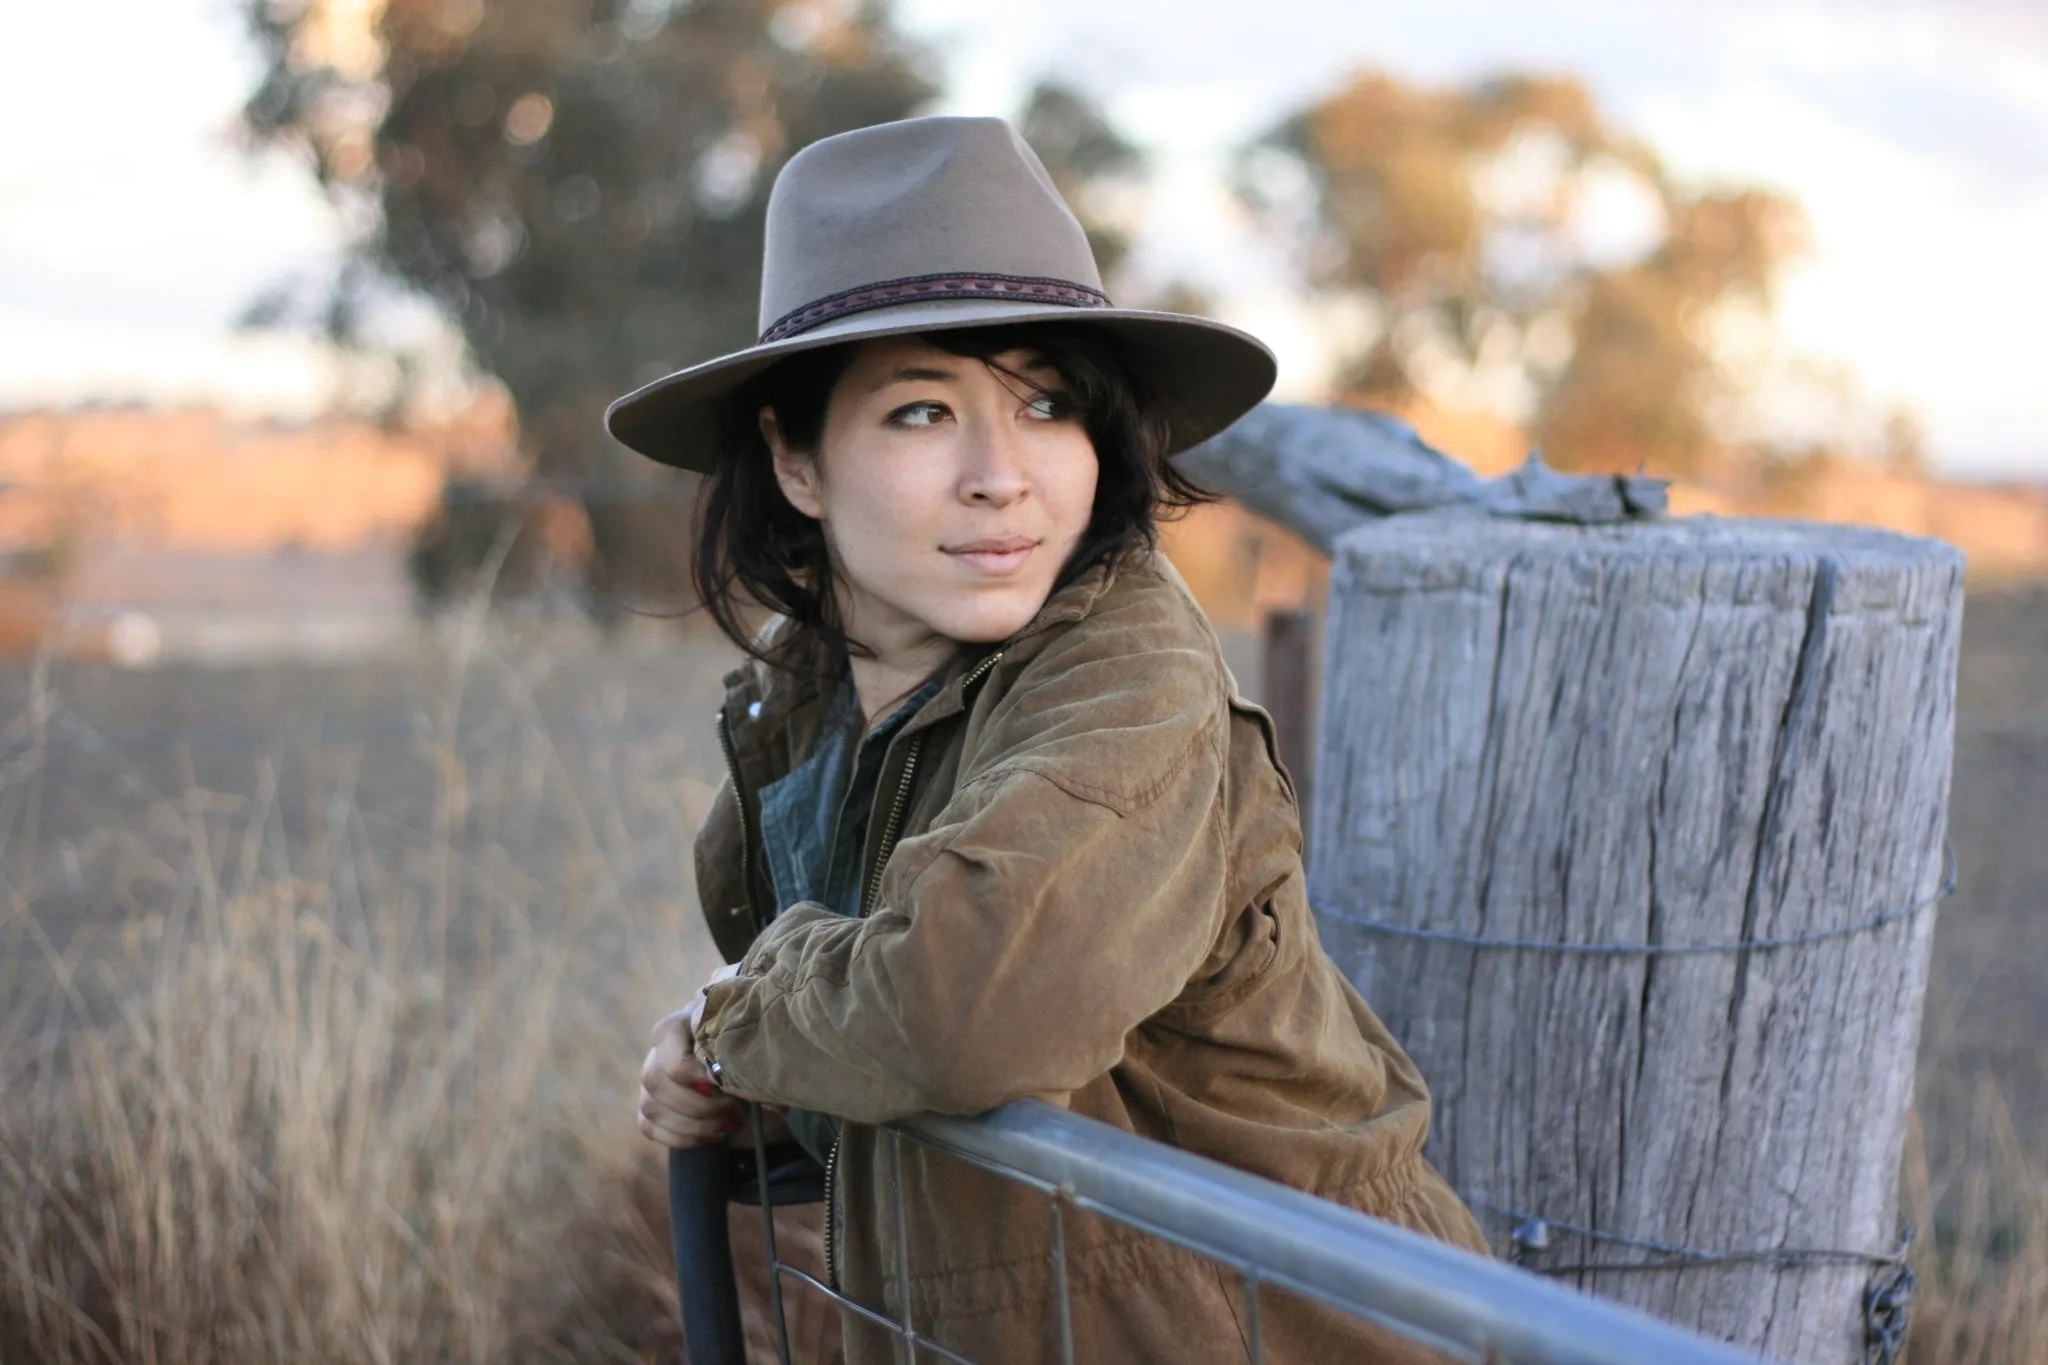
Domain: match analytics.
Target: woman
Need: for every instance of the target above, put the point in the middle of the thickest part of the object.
(998, 824)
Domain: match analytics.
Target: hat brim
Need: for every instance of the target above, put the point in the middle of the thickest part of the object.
(1205, 374)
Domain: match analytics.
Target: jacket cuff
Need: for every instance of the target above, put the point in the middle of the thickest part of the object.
(737, 1001)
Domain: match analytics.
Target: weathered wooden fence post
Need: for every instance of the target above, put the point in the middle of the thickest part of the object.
(1576, 788)
(1287, 660)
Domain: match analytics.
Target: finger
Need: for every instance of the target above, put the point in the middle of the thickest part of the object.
(685, 1100)
(672, 1046)
(681, 1067)
(672, 1137)
(672, 1028)
(684, 1069)
(671, 1130)
(693, 1127)
(687, 1106)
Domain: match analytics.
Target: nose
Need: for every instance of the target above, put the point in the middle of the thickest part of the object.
(992, 465)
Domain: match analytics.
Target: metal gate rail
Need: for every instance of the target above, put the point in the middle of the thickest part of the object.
(1469, 1308)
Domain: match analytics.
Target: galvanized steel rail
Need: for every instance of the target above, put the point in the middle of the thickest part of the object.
(1467, 1307)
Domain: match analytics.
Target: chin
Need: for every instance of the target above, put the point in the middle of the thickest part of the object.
(996, 617)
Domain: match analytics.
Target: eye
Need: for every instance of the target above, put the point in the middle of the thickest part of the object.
(1048, 406)
(926, 414)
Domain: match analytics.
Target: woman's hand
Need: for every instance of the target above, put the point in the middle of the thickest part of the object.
(679, 1106)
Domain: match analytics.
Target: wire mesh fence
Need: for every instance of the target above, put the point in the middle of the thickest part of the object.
(1270, 1237)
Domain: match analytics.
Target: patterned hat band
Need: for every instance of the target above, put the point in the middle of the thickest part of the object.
(923, 288)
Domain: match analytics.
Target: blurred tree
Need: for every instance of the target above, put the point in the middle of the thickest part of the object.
(1094, 166)
(1905, 443)
(1508, 241)
(1643, 377)
(580, 185)
(1105, 178)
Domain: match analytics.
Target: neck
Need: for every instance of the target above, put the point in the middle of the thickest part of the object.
(886, 681)
(895, 651)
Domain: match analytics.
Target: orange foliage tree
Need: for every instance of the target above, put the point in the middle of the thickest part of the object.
(1470, 222)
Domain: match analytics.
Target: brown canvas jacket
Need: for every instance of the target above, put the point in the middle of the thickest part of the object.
(1090, 891)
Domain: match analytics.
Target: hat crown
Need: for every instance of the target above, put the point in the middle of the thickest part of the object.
(921, 197)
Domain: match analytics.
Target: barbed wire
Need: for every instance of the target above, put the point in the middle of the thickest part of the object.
(1887, 1297)
(1888, 1294)
(1531, 1238)
(1752, 945)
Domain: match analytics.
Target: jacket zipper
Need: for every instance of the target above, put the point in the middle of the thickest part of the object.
(868, 893)
(890, 830)
(731, 748)
(893, 827)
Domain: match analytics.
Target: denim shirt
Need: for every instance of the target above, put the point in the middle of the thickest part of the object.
(814, 826)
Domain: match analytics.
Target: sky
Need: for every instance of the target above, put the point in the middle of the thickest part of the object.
(133, 229)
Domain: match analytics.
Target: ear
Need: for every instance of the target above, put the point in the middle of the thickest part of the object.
(796, 471)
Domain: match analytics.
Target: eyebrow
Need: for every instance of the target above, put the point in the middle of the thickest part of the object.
(911, 374)
(914, 374)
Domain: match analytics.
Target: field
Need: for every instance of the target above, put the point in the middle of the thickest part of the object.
(325, 991)
(322, 990)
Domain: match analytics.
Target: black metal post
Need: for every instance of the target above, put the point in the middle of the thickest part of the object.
(705, 1286)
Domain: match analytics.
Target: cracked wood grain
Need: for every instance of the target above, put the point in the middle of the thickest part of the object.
(1679, 732)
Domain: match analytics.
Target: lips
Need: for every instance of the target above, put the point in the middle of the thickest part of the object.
(993, 554)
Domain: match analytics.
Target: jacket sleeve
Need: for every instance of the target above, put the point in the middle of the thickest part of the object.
(1064, 895)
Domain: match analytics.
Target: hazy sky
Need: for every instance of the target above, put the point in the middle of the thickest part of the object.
(132, 230)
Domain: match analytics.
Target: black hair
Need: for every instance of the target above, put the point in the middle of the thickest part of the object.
(754, 549)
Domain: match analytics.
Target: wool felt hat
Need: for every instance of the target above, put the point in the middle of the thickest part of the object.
(928, 225)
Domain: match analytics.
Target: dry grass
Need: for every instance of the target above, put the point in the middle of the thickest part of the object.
(271, 1129)
(1983, 1257)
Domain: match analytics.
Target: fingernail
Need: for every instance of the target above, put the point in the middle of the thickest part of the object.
(704, 1087)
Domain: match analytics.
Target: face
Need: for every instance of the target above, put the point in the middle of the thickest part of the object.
(950, 493)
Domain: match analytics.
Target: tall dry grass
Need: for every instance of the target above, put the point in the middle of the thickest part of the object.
(1982, 1258)
(334, 1095)
(278, 1117)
